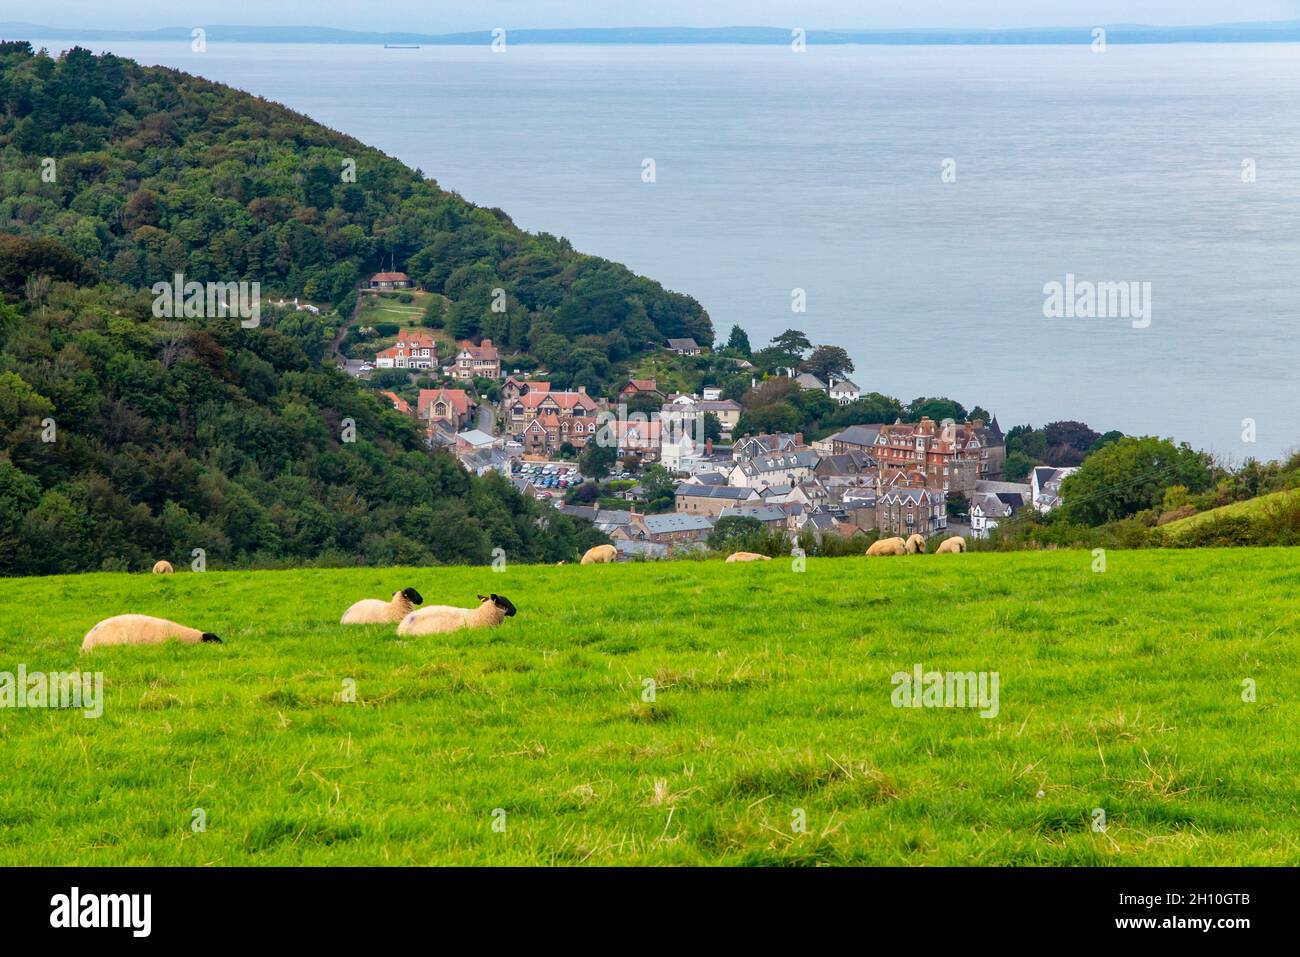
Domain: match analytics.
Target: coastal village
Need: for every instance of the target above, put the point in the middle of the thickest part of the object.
(863, 480)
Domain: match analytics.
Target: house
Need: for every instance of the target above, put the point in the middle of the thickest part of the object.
(538, 399)
(752, 446)
(477, 361)
(400, 404)
(633, 436)
(684, 347)
(481, 461)
(806, 380)
(844, 391)
(681, 437)
(676, 528)
(514, 387)
(711, 393)
(451, 407)
(780, 468)
(713, 479)
(727, 410)
(476, 439)
(641, 387)
(390, 280)
(412, 350)
(711, 499)
(990, 509)
(855, 437)
(1045, 486)
(853, 463)
(773, 517)
(905, 510)
(946, 455)
(648, 551)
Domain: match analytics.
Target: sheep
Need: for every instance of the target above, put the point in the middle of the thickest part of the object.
(437, 619)
(373, 611)
(888, 546)
(142, 630)
(747, 557)
(600, 554)
(915, 544)
(163, 567)
(951, 546)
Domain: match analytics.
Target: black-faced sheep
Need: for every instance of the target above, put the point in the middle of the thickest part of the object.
(142, 630)
(443, 618)
(373, 611)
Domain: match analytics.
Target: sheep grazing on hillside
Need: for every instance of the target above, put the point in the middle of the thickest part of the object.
(747, 557)
(443, 618)
(951, 546)
(142, 630)
(600, 554)
(374, 611)
(915, 544)
(888, 546)
(163, 568)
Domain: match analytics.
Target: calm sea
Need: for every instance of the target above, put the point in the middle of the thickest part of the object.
(823, 171)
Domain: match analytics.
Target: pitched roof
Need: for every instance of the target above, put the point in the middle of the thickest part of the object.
(484, 350)
(863, 435)
(676, 522)
(458, 398)
(390, 277)
(641, 385)
(400, 404)
(764, 513)
(734, 492)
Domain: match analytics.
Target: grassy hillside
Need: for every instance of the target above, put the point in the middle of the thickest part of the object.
(1251, 508)
(1119, 690)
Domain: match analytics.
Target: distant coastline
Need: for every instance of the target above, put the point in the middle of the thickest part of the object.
(1263, 32)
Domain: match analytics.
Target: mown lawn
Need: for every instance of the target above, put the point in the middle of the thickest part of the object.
(1119, 690)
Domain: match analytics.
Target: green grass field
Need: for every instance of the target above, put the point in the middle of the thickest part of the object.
(1119, 690)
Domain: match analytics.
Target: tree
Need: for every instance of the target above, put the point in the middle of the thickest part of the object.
(712, 427)
(828, 362)
(793, 343)
(596, 460)
(1129, 476)
(937, 409)
(738, 342)
(659, 488)
(734, 528)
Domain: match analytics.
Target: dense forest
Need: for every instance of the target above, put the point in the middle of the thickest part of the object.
(125, 438)
(144, 172)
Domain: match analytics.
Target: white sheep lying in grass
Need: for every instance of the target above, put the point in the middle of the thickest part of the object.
(599, 554)
(747, 557)
(888, 546)
(163, 567)
(372, 611)
(951, 546)
(442, 618)
(142, 630)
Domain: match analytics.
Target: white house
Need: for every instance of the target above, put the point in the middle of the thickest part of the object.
(844, 391)
(1045, 485)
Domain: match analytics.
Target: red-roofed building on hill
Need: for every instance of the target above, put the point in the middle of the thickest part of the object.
(400, 404)
(477, 361)
(451, 407)
(948, 458)
(390, 280)
(647, 387)
(514, 387)
(412, 350)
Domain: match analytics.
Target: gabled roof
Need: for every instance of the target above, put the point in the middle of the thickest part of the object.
(458, 398)
(863, 435)
(682, 344)
(676, 522)
(390, 277)
(844, 385)
(400, 404)
(641, 385)
(484, 350)
(734, 492)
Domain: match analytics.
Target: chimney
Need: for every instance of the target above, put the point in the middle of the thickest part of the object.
(582, 390)
(708, 446)
(798, 438)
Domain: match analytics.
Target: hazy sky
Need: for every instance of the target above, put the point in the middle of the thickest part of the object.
(438, 16)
